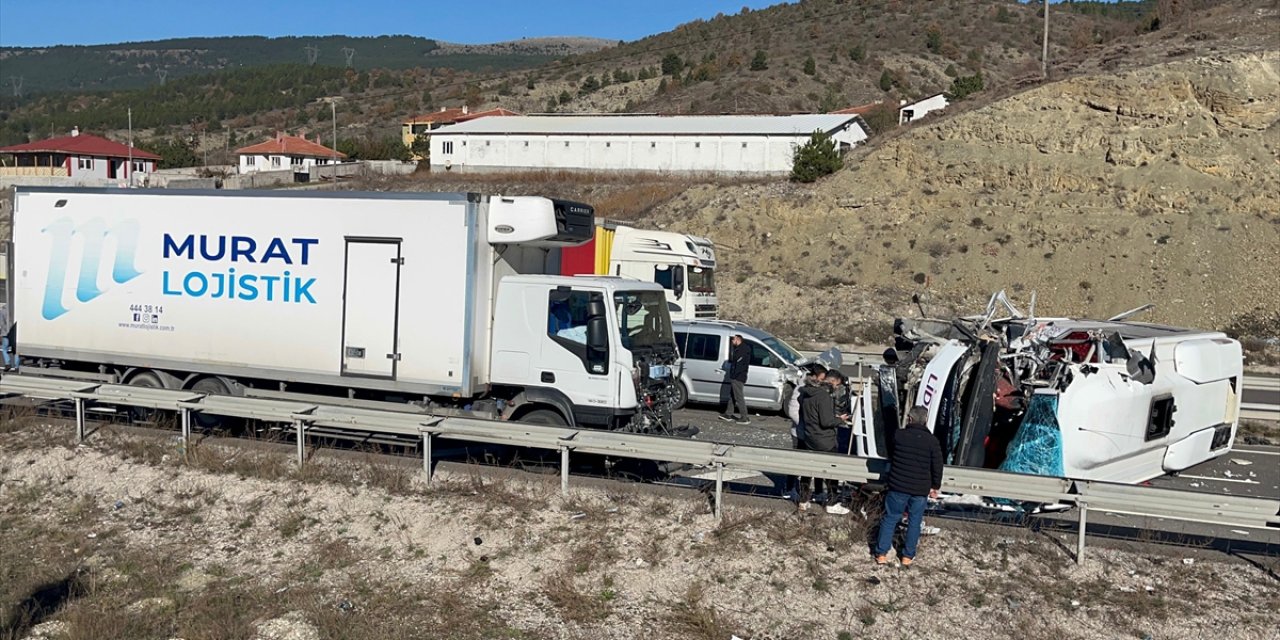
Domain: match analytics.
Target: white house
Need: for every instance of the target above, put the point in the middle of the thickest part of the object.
(283, 152)
(710, 144)
(919, 108)
(78, 156)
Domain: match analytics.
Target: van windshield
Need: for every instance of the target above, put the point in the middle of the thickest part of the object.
(643, 319)
(781, 348)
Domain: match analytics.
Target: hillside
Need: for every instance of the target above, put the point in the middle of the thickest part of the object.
(704, 66)
(1150, 176)
(822, 55)
(138, 64)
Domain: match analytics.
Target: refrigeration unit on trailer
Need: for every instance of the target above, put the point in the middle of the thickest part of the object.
(1109, 400)
(439, 299)
(684, 265)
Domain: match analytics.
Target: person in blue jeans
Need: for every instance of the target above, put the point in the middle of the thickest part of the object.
(915, 475)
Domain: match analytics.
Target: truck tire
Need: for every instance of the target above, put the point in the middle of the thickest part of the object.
(545, 417)
(214, 386)
(148, 380)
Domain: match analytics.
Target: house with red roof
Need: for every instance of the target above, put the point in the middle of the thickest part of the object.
(284, 152)
(78, 155)
(413, 127)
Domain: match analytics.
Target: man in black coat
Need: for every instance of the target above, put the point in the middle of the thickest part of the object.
(739, 367)
(915, 475)
(821, 430)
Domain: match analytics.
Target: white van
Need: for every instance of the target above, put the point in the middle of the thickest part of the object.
(704, 345)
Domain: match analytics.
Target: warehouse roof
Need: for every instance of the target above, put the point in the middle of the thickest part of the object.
(652, 125)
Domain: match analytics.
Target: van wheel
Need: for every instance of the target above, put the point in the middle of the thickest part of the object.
(147, 380)
(682, 397)
(214, 387)
(787, 392)
(544, 417)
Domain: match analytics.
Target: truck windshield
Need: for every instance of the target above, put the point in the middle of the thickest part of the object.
(702, 280)
(643, 320)
(783, 349)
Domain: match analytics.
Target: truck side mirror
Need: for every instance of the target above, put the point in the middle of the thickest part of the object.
(597, 334)
(677, 281)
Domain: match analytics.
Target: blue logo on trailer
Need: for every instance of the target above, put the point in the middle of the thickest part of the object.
(95, 233)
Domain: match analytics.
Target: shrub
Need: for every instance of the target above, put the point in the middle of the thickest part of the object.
(933, 38)
(761, 60)
(810, 66)
(858, 53)
(964, 86)
(816, 158)
(886, 80)
(672, 64)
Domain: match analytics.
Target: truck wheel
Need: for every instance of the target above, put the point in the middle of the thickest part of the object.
(682, 397)
(149, 380)
(544, 417)
(214, 387)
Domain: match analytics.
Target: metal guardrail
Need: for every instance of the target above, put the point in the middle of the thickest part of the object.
(316, 419)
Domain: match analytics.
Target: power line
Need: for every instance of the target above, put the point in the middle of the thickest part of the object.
(350, 54)
(163, 74)
(16, 81)
(312, 54)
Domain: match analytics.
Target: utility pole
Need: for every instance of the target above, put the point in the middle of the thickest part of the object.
(1044, 54)
(312, 54)
(163, 74)
(129, 169)
(16, 81)
(333, 144)
(350, 53)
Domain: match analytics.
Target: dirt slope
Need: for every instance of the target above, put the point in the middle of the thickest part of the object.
(1100, 192)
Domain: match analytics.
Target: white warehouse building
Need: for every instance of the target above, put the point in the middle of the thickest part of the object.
(710, 144)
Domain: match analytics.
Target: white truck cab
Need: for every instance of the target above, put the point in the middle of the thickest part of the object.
(684, 265)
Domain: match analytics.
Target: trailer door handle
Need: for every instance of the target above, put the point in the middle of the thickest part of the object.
(548, 377)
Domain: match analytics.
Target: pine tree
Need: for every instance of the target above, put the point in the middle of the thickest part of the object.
(816, 158)
(810, 66)
(761, 60)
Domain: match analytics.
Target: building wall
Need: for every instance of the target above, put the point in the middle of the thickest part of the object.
(706, 154)
(276, 162)
(920, 109)
(91, 168)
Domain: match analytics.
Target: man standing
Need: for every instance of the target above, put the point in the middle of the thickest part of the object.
(821, 431)
(739, 366)
(915, 475)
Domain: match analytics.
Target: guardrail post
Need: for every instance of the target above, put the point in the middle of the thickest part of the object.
(719, 490)
(80, 419)
(302, 441)
(564, 471)
(186, 431)
(1084, 515)
(428, 455)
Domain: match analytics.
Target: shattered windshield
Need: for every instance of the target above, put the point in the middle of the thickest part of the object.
(643, 320)
(702, 280)
(781, 348)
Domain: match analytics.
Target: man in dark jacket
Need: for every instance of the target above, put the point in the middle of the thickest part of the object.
(915, 475)
(821, 429)
(739, 366)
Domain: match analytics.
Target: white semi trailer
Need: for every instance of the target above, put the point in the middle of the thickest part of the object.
(442, 300)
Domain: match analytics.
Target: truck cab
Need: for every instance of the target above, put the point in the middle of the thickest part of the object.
(598, 348)
(683, 265)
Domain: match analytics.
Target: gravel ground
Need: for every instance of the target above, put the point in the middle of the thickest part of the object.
(371, 548)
